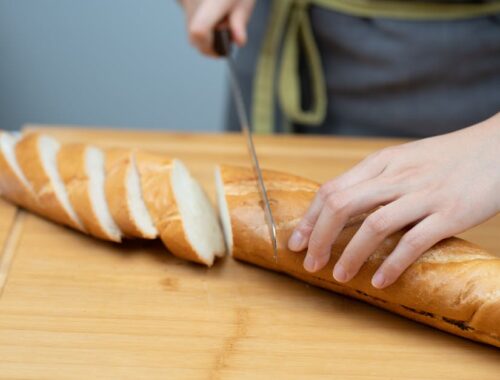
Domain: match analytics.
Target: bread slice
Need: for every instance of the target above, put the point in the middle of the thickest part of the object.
(14, 185)
(183, 214)
(105, 196)
(223, 208)
(82, 170)
(37, 158)
(454, 286)
(124, 195)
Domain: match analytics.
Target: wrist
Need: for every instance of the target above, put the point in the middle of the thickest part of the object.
(489, 138)
(495, 127)
(495, 124)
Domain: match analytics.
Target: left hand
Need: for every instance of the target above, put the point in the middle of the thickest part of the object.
(441, 186)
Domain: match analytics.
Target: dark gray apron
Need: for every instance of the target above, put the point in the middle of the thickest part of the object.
(392, 77)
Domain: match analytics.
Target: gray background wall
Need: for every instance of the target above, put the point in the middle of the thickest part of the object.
(105, 62)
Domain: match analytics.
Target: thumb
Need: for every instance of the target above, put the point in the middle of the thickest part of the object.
(238, 21)
(203, 22)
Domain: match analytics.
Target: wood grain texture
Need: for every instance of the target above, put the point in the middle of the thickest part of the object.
(7, 215)
(77, 308)
(10, 228)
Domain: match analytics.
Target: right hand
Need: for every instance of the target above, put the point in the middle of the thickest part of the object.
(202, 16)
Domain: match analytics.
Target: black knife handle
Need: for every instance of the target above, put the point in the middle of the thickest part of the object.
(222, 39)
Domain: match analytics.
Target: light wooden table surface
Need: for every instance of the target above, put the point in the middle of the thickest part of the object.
(76, 308)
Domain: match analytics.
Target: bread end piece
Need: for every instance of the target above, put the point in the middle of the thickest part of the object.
(14, 185)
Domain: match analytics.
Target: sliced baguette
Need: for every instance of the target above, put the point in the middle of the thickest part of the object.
(82, 170)
(183, 214)
(14, 185)
(454, 286)
(37, 158)
(105, 196)
(124, 195)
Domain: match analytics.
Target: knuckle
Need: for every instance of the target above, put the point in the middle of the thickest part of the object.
(413, 241)
(454, 225)
(326, 190)
(377, 224)
(389, 179)
(393, 150)
(402, 174)
(315, 246)
(383, 153)
(449, 212)
(372, 157)
(390, 153)
(393, 268)
(337, 203)
(196, 33)
(351, 265)
(323, 192)
(305, 227)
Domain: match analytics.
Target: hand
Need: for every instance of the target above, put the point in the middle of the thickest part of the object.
(203, 15)
(440, 186)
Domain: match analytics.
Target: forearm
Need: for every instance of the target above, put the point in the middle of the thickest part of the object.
(489, 131)
(493, 124)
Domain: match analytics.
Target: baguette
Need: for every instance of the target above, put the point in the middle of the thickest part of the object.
(111, 194)
(124, 195)
(37, 158)
(181, 210)
(454, 286)
(14, 185)
(82, 171)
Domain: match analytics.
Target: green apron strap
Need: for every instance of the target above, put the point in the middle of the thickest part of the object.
(289, 87)
(294, 12)
(263, 88)
(410, 10)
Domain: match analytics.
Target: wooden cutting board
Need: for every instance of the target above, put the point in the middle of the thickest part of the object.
(77, 308)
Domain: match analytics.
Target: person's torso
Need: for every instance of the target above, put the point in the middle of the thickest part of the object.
(395, 77)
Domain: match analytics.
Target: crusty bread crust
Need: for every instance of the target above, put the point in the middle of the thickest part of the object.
(30, 161)
(118, 164)
(454, 286)
(139, 191)
(12, 186)
(155, 172)
(72, 168)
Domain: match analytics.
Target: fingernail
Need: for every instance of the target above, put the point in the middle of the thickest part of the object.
(378, 280)
(297, 241)
(339, 273)
(309, 263)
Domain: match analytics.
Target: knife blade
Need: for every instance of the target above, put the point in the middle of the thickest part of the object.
(222, 46)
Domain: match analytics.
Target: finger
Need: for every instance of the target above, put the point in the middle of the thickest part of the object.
(338, 209)
(371, 167)
(300, 236)
(203, 22)
(412, 245)
(190, 7)
(374, 230)
(364, 171)
(238, 21)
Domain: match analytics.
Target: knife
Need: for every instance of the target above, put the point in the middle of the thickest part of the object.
(222, 46)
